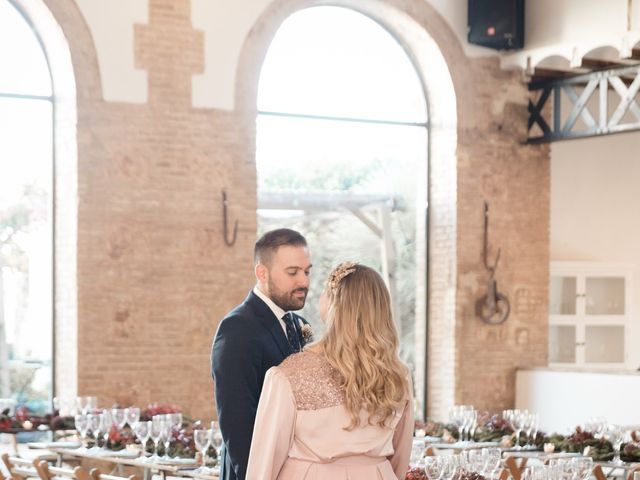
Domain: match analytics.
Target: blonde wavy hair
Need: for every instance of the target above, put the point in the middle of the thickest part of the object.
(361, 343)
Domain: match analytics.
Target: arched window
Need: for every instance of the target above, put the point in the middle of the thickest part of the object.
(341, 151)
(26, 213)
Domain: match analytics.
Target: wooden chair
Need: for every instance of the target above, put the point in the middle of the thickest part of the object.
(20, 468)
(49, 472)
(95, 474)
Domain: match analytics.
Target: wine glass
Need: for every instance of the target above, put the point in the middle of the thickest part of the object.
(476, 460)
(216, 439)
(119, 417)
(132, 415)
(167, 434)
(417, 452)
(582, 468)
(142, 431)
(82, 426)
(517, 422)
(450, 466)
(155, 432)
(433, 467)
(615, 434)
(95, 424)
(202, 440)
(493, 458)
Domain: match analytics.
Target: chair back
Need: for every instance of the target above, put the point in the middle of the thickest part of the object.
(95, 474)
(49, 472)
(20, 468)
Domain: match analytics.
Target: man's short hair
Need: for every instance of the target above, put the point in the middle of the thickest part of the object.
(268, 243)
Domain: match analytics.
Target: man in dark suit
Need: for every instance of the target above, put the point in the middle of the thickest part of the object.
(255, 336)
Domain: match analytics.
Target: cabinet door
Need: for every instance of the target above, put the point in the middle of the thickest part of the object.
(604, 295)
(562, 344)
(563, 292)
(604, 344)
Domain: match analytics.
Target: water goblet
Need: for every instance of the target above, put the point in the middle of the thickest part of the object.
(202, 440)
(132, 415)
(582, 468)
(155, 433)
(95, 423)
(119, 417)
(142, 431)
(417, 451)
(216, 439)
(476, 461)
(615, 434)
(82, 426)
(493, 458)
(167, 435)
(433, 467)
(451, 464)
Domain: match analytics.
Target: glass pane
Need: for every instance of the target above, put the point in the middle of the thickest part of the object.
(337, 156)
(333, 61)
(562, 296)
(26, 249)
(604, 344)
(23, 66)
(562, 344)
(605, 296)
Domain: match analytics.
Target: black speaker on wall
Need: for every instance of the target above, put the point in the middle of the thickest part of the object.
(496, 24)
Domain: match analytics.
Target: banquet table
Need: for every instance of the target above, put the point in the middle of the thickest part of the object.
(123, 458)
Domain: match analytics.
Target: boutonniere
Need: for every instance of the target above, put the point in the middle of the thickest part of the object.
(307, 333)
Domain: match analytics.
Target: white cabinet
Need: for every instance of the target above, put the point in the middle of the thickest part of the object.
(589, 318)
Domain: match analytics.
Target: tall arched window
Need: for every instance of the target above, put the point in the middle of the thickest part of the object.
(26, 212)
(341, 151)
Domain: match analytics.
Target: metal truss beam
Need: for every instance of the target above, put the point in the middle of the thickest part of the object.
(598, 117)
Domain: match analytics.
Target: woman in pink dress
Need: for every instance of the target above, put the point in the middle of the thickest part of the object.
(343, 408)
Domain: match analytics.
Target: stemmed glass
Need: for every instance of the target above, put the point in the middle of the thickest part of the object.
(216, 439)
(615, 434)
(95, 425)
(142, 431)
(531, 430)
(167, 434)
(417, 452)
(82, 426)
(119, 417)
(433, 467)
(493, 457)
(450, 467)
(132, 415)
(582, 468)
(477, 461)
(156, 432)
(202, 439)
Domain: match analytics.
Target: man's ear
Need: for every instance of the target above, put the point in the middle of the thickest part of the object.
(262, 273)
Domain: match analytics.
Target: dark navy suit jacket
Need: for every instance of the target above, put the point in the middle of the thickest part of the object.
(249, 341)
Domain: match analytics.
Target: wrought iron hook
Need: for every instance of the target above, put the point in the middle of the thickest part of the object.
(486, 241)
(225, 223)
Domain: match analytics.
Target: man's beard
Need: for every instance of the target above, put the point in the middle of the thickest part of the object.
(287, 300)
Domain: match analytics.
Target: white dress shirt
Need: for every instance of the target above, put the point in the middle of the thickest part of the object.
(277, 311)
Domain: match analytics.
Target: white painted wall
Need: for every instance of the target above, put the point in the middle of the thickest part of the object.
(595, 208)
(565, 399)
(111, 25)
(569, 28)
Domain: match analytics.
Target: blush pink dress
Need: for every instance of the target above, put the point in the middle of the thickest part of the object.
(299, 431)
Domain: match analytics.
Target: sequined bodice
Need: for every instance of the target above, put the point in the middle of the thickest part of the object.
(314, 382)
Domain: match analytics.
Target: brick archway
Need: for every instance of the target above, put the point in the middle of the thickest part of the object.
(411, 22)
(43, 16)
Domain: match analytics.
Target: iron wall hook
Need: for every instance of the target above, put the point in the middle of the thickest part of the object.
(486, 242)
(225, 223)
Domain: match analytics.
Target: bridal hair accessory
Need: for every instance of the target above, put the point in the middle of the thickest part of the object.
(338, 273)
